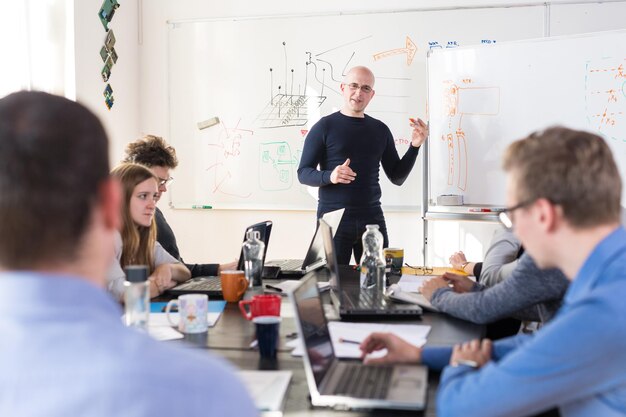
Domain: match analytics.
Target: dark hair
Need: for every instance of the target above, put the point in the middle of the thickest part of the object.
(53, 159)
(571, 168)
(151, 151)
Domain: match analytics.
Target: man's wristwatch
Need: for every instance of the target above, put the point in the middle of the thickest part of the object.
(466, 362)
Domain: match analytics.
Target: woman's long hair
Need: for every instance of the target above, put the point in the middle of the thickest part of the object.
(137, 241)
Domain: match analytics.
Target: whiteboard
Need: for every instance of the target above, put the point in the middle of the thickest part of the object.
(269, 80)
(483, 98)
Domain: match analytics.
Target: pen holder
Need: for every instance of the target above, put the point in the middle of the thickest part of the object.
(261, 305)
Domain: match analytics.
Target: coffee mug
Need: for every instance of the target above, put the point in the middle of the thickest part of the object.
(261, 305)
(267, 331)
(234, 284)
(394, 257)
(192, 310)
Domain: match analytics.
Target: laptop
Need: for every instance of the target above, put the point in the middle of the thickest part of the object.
(212, 286)
(345, 384)
(351, 301)
(315, 257)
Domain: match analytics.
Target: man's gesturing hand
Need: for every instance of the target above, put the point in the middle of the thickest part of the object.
(342, 174)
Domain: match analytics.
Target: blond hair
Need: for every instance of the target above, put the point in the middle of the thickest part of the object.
(137, 241)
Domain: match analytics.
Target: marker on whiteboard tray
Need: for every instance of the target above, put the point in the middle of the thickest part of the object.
(486, 210)
(201, 206)
(208, 123)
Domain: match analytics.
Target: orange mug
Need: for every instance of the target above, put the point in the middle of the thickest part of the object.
(234, 284)
(261, 305)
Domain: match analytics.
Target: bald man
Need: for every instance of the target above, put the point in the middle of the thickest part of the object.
(349, 147)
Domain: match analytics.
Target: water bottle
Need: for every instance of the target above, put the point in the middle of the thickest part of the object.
(136, 297)
(253, 250)
(373, 261)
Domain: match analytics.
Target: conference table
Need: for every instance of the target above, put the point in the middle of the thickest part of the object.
(232, 335)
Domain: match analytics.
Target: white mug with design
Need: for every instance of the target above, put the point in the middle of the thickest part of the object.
(192, 310)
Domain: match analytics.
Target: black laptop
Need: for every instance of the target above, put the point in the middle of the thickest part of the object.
(212, 286)
(343, 384)
(351, 301)
(314, 258)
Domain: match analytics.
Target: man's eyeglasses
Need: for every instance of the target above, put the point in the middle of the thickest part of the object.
(365, 88)
(506, 215)
(165, 182)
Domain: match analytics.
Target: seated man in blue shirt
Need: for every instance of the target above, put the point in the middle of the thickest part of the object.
(65, 351)
(563, 192)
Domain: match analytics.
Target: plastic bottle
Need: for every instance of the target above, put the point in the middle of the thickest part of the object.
(253, 250)
(373, 261)
(136, 297)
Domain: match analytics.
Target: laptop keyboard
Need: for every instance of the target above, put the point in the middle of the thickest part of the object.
(291, 265)
(365, 381)
(204, 284)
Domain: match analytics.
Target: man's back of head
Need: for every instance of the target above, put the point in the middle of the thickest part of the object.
(573, 169)
(53, 159)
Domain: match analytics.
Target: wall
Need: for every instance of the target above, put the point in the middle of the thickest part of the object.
(216, 235)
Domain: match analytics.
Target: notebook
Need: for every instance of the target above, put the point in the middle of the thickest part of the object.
(350, 300)
(349, 384)
(212, 286)
(315, 257)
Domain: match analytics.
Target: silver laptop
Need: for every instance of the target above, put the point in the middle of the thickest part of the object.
(315, 257)
(349, 384)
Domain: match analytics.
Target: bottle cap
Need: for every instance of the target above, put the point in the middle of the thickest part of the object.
(253, 234)
(136, 273)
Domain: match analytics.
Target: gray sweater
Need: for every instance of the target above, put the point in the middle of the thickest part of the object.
(501, 258)
(528, 294)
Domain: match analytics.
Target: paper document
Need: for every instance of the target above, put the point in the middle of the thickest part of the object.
(396, 293)
(160, 319)
(267, 388)
(413, 283)
(287, 286)
(357, 332)
(164, 333)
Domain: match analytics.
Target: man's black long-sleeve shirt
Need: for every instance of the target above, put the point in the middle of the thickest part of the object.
(368, 143)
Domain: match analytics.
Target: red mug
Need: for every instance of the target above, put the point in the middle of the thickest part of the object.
(261, 305)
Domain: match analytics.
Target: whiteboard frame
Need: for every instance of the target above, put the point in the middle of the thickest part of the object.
(433, 212)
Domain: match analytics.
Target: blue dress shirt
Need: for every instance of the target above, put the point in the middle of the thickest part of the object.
(65, 352)
(577, 362)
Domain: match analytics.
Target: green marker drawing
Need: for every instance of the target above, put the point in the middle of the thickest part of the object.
(201, 206)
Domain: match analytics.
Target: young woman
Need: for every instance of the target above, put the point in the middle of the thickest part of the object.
(136, 243)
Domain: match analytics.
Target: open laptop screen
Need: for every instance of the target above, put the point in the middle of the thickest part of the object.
(331, 256)
(264, 229)
(316, 252)
(310, 314)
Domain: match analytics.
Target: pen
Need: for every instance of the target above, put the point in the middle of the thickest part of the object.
(354, 342)
(201, 206)
(271, 287)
